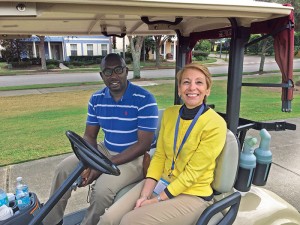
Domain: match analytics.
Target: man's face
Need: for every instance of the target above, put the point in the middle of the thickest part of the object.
(114, 75)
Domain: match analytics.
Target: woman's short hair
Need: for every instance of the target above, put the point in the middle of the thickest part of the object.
(203, 69)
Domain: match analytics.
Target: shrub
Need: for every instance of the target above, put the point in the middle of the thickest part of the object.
(95, 59)
(51, 66)
(52, 62)
(20, 64)
(200, 56)
(35, 61)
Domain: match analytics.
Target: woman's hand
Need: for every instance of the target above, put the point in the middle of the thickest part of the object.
(139, 202)
(144, 201)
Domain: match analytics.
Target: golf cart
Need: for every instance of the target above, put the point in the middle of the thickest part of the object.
(190, 21)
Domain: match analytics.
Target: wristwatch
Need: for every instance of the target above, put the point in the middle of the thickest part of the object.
(159, 198)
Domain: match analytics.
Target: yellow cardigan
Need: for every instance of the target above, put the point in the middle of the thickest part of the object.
(194, 167)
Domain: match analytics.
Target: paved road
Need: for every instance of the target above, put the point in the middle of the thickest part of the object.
(250, 65)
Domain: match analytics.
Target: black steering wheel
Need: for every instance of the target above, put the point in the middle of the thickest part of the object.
(91, 157)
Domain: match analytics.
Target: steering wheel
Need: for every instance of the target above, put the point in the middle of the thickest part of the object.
(91, 157)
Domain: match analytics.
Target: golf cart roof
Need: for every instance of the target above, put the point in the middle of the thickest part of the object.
(120, 17)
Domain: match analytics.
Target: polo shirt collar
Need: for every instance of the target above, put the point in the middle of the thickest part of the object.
(126, 95)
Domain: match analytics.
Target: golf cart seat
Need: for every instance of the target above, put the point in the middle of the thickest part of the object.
(225, 176)
(224, 210)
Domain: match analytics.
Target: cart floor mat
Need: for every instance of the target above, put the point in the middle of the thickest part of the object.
(74, 218)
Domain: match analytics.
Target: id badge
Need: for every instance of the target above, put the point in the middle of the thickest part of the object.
(160, 186)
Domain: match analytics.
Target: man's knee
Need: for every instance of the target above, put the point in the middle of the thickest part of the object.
(102, 193)
(66, 166)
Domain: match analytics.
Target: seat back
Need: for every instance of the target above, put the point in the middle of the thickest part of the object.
(153, 147)
(224, 178)
(227, 165)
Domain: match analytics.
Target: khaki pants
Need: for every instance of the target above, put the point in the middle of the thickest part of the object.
(182, 209)
(103, 190)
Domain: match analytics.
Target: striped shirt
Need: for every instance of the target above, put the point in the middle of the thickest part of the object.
(120, 121)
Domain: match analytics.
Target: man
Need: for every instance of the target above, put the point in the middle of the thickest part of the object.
(127, 114)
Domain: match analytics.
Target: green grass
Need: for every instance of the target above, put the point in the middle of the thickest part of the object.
(33, 126)
(38, 86)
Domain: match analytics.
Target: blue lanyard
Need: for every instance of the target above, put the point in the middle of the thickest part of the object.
(199, 113)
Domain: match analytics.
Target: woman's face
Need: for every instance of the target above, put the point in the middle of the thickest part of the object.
(193, 88)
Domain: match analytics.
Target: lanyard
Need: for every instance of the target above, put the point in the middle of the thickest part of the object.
(199, 113)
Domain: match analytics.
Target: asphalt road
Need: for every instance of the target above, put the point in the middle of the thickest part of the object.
(251, 64)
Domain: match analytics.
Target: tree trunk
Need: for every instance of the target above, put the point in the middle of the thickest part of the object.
(136, 55)
(263, 55)
(157, 49)
(42, 52)
(262, 63)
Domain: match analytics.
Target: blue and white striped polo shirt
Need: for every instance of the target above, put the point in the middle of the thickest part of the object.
(120, 121)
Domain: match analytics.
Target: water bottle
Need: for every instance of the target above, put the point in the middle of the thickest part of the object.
(263, 159)
(3, 198)
(247, 166)
(22, 194)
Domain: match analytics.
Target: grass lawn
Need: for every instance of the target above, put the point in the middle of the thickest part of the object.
(33, 126)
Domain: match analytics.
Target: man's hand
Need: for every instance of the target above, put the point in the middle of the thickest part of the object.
(84, 175)
(93, 175)
(88, 176)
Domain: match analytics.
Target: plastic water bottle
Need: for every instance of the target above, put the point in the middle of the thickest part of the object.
(263, 159)
(246, 166)
(3, 198)
(22, 194)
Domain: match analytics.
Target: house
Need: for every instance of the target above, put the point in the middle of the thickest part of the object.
(62, 47)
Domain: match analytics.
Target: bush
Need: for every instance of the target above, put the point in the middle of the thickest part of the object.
(203, 45)
(20, 64)
(200, 56)
(52, 62)
(35, 61)
(94, 59)
(51, 66)
(77, 63)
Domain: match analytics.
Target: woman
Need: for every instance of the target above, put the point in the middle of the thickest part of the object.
(177, 186)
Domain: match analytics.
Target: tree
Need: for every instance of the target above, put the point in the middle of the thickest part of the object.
(136, 44)
(295, 4)
(159, 41)
(262, 48)
(42, 52)
(203, 46)
(14, 49)
(149, 46)
(266, 45)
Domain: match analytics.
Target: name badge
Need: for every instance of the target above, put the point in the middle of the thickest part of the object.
(160, 186)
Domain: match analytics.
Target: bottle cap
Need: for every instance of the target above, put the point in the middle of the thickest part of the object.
(5, 212)
(11, 197)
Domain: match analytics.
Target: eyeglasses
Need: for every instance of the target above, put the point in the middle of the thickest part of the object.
(117, 70)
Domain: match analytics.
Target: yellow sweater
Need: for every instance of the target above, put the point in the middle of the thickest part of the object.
(194, 167)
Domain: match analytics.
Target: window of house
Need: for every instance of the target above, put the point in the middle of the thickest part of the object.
(162, 49)
(104, 49)
(90, 49)
(73, 49)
